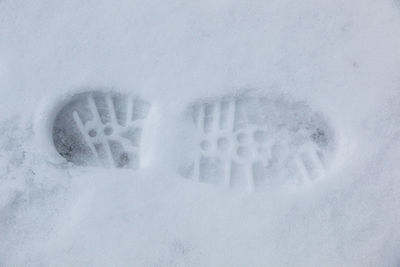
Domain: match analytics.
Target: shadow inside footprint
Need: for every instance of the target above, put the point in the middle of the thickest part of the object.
(101, 129)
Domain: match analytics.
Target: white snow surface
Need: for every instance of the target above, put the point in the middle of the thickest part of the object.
(340, 57)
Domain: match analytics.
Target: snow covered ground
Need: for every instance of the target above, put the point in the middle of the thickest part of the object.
(262, 133)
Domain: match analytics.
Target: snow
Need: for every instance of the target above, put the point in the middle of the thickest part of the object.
(339, 58)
